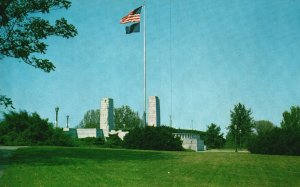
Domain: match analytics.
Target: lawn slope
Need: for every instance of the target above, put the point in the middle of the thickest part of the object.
(57, 166)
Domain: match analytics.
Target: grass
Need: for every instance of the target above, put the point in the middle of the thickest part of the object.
(57, 166)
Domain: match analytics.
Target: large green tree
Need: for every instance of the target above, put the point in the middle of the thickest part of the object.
(242, 120)
(91, 119)
(214, 137)
(126, 118)
(291, 120)
(23, 32)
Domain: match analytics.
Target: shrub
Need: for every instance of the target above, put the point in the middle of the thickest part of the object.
(277, 141)
(90, 141)
(21, 128)
(152, 138)
(113, 141)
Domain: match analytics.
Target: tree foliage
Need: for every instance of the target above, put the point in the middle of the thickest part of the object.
(263, 126)
(21, 128)
(241, 118)
(291, 120)
(152, 138)
(23, 31)
(214, 137)
(91, 119)
(6, 102)
(126, 118)
(275, 140)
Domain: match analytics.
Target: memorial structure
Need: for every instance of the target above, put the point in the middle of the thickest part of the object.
(107, 116)
(107, 124)
(154, 111)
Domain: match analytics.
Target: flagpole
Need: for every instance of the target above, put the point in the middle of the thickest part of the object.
(145, 82)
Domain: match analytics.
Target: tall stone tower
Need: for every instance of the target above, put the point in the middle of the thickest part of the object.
(107, 115)
(154, 111)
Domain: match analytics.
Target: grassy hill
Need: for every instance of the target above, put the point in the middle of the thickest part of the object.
(57, 166)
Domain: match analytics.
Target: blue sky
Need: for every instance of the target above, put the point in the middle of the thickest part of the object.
(218, 52)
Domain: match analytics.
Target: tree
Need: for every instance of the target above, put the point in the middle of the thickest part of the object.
(263, 126)
(126, 118)
(291, 120)
(214, 137)
(241, 118)
(23, 32)
(91, 119)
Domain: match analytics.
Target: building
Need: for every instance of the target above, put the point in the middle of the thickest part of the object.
(84, 133)
(107, 116)
(191, 141)
(154, 111)
(90, 132)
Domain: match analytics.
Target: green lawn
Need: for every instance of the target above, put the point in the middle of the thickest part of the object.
(56, 166)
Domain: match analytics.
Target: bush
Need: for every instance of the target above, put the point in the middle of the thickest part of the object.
(30, 129)
(90, 141)
(277, 141)
(113, 141)
(60, 138)
(152, 138)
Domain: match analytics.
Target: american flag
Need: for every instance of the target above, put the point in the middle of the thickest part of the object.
(133, 16)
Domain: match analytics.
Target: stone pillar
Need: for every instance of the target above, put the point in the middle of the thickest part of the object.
(154, 111)
(107, 115)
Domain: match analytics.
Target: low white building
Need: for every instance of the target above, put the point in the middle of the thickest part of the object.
(84, 133)
(90, 132)
(191, 141)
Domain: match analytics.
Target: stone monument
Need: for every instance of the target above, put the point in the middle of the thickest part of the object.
(154, 111)
(107, 116)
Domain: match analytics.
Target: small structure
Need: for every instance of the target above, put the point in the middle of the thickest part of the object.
(191, 141)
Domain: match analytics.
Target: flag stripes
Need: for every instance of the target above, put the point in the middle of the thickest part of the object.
(133, 16)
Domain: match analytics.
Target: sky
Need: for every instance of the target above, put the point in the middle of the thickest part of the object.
(203, 57)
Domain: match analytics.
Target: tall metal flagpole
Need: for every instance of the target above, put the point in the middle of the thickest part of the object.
(145, 121)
